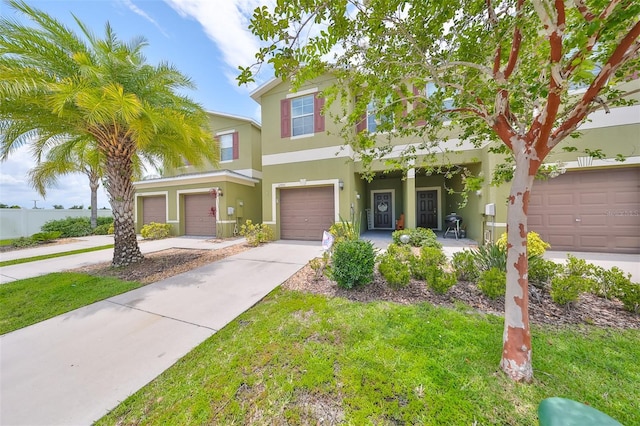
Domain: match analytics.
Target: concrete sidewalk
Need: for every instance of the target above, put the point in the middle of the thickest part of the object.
(58, 264)
(74, 368)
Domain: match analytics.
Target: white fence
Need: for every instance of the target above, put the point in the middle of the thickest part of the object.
(16, 223)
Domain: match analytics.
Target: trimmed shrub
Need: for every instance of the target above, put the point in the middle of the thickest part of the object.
(400, 251)
(155, 231)
(609, 283)
(464, 264)
(343, 231)
(104, 220)
(438, 280)
(493, 282)
(69, 227)
(352, 263)
(541, 271)
(256, 234)
(429, 256)
(536, 246)
(566, 289)
(394, 271)
(629, 294)
(419, 237)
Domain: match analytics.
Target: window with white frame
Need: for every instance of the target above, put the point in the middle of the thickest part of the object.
(374, 119)
(302, 110)
(226, 147)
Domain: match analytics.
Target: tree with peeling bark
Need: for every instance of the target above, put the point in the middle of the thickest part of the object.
(500, 72)
(62, 88)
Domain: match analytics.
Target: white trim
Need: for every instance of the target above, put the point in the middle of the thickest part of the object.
(225, 161)
(226, 221)
(497, 224)
(393, 206)
(325, 153)
(301, 184)
(226, 132)
(173, 221)
(269, 222)
(606, 162)
(411, 173)
(251, 173)
(438, 190)
(152, 194)
(302, 93)
(180, 179)
(304, 136)
(619, 116)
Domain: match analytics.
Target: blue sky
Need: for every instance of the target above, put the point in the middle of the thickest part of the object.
(205, 39)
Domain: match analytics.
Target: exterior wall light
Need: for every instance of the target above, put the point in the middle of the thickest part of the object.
(341, 184)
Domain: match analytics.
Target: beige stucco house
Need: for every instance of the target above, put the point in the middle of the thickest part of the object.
(209, 201)
(311, 180)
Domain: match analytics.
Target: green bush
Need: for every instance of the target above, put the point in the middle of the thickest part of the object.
(103, 229)
(429, 256)
(566, 289)
(493, 282)
(394, 271)
(400, 251)
(352, 263)
(438, 280)
(104, 220)
(69, 227)
(419, 237)
(541, 271)
(608, 283)
(256, 233)
(464, 264)
(43, 237)
(536, 246)
(629, 294)
(155, 231)
(23, 242)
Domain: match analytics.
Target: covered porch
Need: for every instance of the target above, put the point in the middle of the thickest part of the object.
(395, 200)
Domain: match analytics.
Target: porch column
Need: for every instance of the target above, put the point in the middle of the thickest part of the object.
(409, 199)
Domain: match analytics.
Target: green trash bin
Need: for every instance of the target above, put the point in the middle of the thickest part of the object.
(565, 412)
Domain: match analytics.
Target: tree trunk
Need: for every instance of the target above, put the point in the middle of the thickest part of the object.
(94, 183)
(120, 189)
(516, 352)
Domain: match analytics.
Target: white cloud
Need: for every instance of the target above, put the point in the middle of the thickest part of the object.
(226, 24)
(135, 9)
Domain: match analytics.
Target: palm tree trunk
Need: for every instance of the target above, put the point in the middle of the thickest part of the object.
(120, 189)
(94, 183)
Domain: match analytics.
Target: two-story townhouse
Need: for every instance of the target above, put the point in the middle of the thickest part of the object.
(210, 200)
(310, 180)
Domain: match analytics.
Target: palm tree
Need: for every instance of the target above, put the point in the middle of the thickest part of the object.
(61, 88)
(64, 159)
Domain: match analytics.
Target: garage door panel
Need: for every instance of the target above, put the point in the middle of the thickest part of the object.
(154, 209)
(306, 212)
(199, 217)
(598, 198)
(602, 201)
(561, 220)
(562, 199)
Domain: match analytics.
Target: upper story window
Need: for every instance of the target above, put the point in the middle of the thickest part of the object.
(229, 146)
(301, 115)
(373, 119)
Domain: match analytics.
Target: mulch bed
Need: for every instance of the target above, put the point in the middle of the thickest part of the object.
(589, 309)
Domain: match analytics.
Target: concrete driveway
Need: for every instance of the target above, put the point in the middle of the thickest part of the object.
(74, 368)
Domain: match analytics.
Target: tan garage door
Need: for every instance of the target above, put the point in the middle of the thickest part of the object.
(594, 210)
(199, 215)
(154, 209)
(306, 212)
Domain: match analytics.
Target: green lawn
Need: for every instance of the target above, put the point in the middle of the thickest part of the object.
(53, 255)
(32, 300)
(296, 359)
